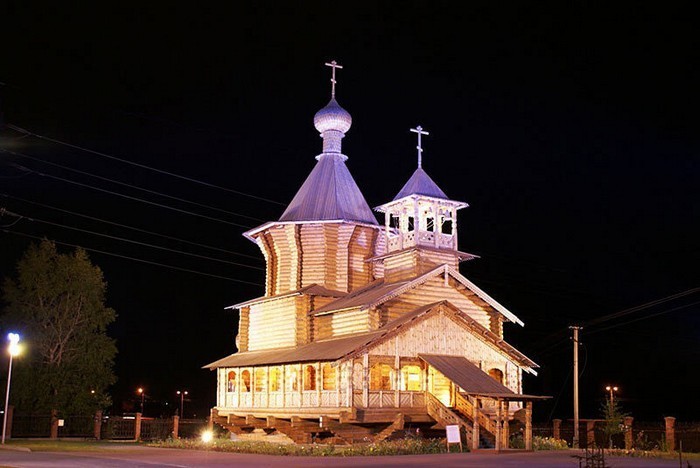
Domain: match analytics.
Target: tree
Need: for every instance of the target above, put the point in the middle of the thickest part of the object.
(57, 303)
(613, 419)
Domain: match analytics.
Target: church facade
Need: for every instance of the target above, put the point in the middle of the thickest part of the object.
(365, 329)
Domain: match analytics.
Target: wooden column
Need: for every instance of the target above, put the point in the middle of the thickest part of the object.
(397, 375)
(97, 425)
(556, 428)
(365, 380)
(350, 397)
(238, 387)
(499, 432)
(528, 426)
(506, 425)
(283, 385)
(670, 433)
(454, 228)
(338, 384)
(176, 427)
(267, 386)
(252, 387)
(300, 385)
(475, 428)
(319, 383)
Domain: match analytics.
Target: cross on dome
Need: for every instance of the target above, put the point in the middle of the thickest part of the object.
(333, 66)
(420, 132)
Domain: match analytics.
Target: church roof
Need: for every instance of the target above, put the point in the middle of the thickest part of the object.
(329, 193)
(420, 183)
(310, 290)
(379, 292)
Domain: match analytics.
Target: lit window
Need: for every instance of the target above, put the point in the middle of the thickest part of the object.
(309, 378)
(231, 381)
(329, 375)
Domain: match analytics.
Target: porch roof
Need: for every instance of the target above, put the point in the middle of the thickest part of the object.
(327, 350)
(471, 379)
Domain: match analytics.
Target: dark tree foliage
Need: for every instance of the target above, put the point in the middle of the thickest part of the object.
(57, 303)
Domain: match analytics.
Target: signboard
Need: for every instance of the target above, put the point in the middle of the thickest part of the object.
(453, 436)
(61, 422)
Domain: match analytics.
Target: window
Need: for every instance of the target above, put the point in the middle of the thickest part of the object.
(411, 378)
(380, 377)
(497, 375)
(260, 379)
(293, 380)
(329, 375)
(393, 221)
(275, 379)
(447, 227)
(309, 378)
(245, 381)
(410, 223)
(430, 224)
(231, 387)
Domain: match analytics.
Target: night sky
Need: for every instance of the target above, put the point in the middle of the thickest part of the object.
(571, 129)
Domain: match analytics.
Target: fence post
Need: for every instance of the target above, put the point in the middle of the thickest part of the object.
(176, 426)
(97, 426)
(556, 430)
(54, 424)
(629, 440)
(670, 433)
(213, 413)
(137, 427)
(590, 434)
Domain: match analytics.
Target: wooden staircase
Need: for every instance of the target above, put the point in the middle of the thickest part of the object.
(487, 426)
(445, 416)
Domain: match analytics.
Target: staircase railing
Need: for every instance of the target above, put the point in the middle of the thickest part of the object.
(464, 406)
(444, 415)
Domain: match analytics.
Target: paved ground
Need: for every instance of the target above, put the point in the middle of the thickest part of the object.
(148, 457)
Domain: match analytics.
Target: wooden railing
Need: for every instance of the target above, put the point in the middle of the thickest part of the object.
(445, 416)
(466, 407)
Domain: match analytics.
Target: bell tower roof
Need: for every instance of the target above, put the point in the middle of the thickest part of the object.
(420, 183)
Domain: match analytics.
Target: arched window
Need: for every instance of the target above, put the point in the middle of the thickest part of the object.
(309, 377)
(293, 379)
(329, 374)
(497, 375)
(275, 379)
(231, 381)
(411, 378)
(245, 381)
(380, 377)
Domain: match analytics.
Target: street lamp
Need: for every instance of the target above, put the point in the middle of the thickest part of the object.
(141, 392)
(611, 390)
(13, 350)
(182, 400)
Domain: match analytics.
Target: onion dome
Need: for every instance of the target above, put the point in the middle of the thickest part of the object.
(332, 117)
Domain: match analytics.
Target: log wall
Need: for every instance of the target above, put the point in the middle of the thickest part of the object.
(273, 324)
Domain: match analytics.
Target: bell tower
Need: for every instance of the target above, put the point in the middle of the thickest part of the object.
(420, 226)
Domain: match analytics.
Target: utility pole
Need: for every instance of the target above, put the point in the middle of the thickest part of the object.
(576, 420)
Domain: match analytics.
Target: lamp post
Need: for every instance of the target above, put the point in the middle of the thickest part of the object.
(141, 392)
(182, 400)
(13, 350)
(611, 389)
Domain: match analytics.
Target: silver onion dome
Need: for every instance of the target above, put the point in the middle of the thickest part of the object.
(332, 117)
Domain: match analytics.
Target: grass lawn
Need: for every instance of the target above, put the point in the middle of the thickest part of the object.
(70, 445)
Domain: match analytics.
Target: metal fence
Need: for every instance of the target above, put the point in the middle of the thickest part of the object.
(191, 428)
(156, 429)
(118, 428)
(31, 425)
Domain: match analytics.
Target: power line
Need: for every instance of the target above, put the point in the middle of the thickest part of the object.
(154, 192)
(645, 317)
(128, 227)
(145, 244)
(140, 260)
(129, 197)
(143, 166)
(646, 305)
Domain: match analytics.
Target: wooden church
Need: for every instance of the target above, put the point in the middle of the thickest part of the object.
(367, 329)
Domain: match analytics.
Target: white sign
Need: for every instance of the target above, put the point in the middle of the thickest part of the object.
(453, 434)
(61, 422)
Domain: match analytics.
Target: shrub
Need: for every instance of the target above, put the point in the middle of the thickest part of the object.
(548, 443)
